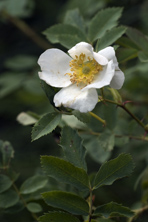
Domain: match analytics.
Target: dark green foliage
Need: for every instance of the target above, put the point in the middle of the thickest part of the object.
(67, 201)
(110, 37)
(34, 207)
(64, 171)
(58, 217)
(104, 20)
(8, 199)
(66, 35)
(45, 125)
(114, 169)
(5, 183)
(28, 186)
(113, 209)
(73, 149)
(73, 17)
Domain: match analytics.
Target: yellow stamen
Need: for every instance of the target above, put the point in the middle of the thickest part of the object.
(83, 70)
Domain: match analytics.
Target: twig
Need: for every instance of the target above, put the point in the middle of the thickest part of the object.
(122, 105)
(27, 30)
(24, 202)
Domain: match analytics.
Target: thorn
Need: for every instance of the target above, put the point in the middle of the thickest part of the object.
(124, 103)
(145, 134)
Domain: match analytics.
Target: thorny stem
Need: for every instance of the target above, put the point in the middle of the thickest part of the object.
(98, 118)
(122, 105)
(117, 136)
(21, 25)
(24, 202)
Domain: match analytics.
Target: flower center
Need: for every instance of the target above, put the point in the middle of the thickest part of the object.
(83, 69)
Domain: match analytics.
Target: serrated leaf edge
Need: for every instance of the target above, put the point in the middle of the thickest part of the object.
(36, 124)
(67, 174)
(95, 187)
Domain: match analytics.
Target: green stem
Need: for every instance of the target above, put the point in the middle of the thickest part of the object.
(21, 25)
(113, 102)
(98, 118)
(117, 136)
(128, 111)
(102, 92)
(90, 206)
(133, 116)
(24, 202)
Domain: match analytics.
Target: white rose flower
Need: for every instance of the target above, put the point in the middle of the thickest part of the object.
(80, 74)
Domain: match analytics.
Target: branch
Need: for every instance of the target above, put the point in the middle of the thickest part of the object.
(27, 30)
(122, 105)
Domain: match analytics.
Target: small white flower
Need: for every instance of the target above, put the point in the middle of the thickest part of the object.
(80, 74)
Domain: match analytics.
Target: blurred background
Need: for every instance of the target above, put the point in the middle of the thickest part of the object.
(21, 43)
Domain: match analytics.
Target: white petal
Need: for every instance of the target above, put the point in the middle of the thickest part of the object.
(100, 59)
(54, 64)
(79, 48)
(117, 80)
(73, 97)
(103, 78)
(108, 52)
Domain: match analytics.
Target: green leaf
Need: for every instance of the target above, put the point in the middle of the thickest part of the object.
(33, 184)
(12, 175)
(58, 217)
(8, 198)
(19, 206)
(24, 7)
(21, 62)
(26, 119)
(68, 41)
(73, 17)
(116, 96)
(5, 183)
(31, 87)
(127, 43)
(110, 37)
(106, 140)
(104, 20)
(34, 207)
(49, 91)
(7, 153)
(72, 147)
(138, 38)
(113, 210)
(141, 177)
(66, 35)
(110, 115)
(93, 146)
(9, 82)
(67, 201)
(143, 57)
(72, 121)
(126, 54)
(83, 117)
(87, 7)
(64, 171)
(45, 125)
(114, 169)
